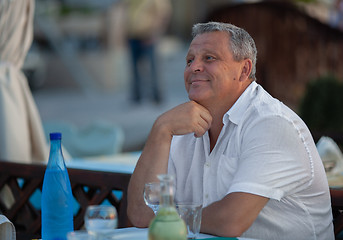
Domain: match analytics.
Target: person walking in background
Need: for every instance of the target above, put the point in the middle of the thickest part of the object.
(21, 132)
(336, 14)
(147, 20)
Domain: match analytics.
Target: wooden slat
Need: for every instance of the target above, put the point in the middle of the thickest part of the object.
(27, 219)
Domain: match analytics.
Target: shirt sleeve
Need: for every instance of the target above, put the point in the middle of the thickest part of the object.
(274, 160)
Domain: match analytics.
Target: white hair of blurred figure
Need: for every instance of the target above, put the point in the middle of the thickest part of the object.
(331, 155)
(7, 230)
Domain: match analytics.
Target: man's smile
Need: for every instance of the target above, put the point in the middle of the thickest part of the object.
(198, 81)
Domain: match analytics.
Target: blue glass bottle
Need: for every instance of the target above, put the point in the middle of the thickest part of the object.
(57, 209)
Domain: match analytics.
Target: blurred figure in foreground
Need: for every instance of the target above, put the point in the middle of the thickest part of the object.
(147, 20)
(7, 230)
(22, 136)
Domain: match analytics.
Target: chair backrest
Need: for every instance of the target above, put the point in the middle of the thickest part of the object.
(337, 210)
(21, 185)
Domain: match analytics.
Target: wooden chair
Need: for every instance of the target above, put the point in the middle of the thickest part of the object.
(89, 188)
(337, 211)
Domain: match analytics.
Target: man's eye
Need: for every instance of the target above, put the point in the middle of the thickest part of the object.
(209, 58)
(189, 61)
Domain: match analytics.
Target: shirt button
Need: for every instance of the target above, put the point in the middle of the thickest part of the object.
(207, 164)
(206, 195)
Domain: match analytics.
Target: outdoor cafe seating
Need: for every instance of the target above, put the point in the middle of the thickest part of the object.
(94, 182)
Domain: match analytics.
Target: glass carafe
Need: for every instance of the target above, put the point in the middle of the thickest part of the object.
(167, 225)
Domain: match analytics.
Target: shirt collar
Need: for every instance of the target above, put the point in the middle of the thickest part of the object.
(236, 112)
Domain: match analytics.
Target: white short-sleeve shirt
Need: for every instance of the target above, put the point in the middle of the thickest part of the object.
(265, 149)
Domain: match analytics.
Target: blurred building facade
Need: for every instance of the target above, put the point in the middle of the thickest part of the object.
(295, 40)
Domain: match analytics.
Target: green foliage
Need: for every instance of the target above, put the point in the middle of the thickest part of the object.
(66, 10)
(322, 106)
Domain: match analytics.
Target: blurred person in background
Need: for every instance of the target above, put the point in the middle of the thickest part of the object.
(336, 16)
(147, 21)
(21, 132)
(245, 155)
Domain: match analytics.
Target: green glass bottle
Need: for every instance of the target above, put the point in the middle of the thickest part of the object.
(167, 225)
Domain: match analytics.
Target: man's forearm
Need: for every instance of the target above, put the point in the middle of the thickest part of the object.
(232, 215)
(153, 161)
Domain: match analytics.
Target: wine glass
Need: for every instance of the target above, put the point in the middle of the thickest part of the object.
(152, 195)
(100, 220)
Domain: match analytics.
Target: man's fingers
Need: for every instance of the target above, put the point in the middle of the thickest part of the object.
(187, 118)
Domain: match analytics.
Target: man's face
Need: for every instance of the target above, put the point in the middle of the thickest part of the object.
(211, 75)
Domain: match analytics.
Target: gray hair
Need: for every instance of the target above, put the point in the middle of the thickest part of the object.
(242, 45)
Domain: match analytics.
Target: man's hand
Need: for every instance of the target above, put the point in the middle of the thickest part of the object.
(189, 117)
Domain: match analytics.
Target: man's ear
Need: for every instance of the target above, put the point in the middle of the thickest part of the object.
(246, 69)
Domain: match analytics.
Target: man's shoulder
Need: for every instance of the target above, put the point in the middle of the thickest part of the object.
(263, 105)
(255, 103)
(268, 113)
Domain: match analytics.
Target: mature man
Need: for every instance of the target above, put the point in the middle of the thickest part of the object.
(250, 159)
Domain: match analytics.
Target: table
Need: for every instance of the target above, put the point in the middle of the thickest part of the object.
(119, 163)
(133, 233)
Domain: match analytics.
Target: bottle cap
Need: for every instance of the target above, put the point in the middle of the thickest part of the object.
(55, 136)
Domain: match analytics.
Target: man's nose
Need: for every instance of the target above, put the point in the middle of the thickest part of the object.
(197, 66)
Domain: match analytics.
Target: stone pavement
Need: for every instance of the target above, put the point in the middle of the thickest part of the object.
(79, 108)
